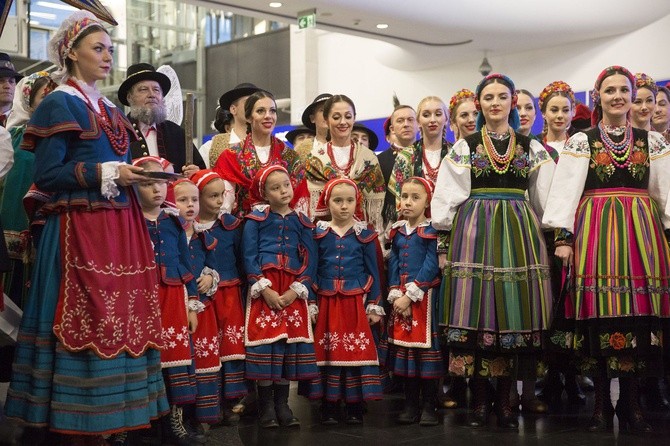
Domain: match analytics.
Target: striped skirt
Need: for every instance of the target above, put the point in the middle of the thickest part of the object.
(496, 292)
(622, 293)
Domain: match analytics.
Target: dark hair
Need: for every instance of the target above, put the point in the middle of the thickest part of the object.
(90, 30)
(223, 119)
(251, 103)
(553, 95)
(527, 93)
(333, 100)
(37, 85)
(665, 91)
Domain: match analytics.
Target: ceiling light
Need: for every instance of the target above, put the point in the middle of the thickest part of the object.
(485, 67)
(382, 26)
(56, 6)
(275, 5)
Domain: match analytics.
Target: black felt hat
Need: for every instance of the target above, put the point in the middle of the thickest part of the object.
(320, 99)
(7, 67)
(240, 91)
(142, 72)
(372, 136)
(293, 134)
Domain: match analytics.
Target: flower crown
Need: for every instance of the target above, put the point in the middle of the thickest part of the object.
(555, 87)
(644, 81)
(459, 97)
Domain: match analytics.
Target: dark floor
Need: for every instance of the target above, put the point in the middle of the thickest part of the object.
(565, 428)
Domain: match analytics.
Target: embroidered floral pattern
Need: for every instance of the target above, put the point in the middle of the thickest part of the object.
(456, 335)
(173, 337)
(656, 339)
(349, 341)
(405, 323)
(495, 367)
(519, 166)
(563, 339)
(204, 347)
(462, 365)
(624, 364)
(234, 334)
(276, 318)
(617, 340)
(637, 163)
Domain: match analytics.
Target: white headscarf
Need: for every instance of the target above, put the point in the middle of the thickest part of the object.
(21, 109)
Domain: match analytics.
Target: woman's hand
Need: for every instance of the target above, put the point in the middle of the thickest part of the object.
(128, 175)
(272, 298)
(189, 170)
(401, 304)
(373, 318)
(566, 254)
(205, 283)
(287, 298)
(441, 260)
(192, 321)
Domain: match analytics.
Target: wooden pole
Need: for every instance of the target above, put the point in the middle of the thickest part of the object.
(188, 128)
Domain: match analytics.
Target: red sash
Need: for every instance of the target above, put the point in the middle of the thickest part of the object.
(265, 326)
(108, 299)
(229, 310)
(342, 336)
(174, 319)
(413, 331)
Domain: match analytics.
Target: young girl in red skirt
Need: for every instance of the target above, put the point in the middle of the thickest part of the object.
(227, 302)
(203, 264)
(279, 259)
(177, 294)
(413, 276)
(348, 299)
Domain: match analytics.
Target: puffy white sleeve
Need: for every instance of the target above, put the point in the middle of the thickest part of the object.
(6, 152)
(659, 175)
(542, 168)
(567, 184)
(452, 187)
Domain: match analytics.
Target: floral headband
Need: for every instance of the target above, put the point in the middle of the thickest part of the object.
(460, 96)
(644, 81)
(596, 114)
(513, 119)
(556, 87)
(27, 88)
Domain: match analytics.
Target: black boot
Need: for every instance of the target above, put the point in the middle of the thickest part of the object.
(429, 396)
(329, 413)
(284, 413)
(354, 413)
(652, 393)
(507, 419)
(267, 417)
(628, 408)
(410, 413)
(480, 414)
(603, 412)
(553, 388)
(174, 432)
(572, 389)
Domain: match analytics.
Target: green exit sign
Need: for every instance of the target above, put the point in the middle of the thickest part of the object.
(307, 19)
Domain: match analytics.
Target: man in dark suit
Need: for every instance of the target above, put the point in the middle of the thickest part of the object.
(143, 91)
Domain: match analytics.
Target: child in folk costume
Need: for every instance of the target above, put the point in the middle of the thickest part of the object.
(227, 302)
(348, 295)
(413, 276)
(178, 297)
(279, 259)
(205, 339)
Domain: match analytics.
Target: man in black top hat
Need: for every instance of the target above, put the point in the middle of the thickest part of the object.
(313, 118)
(8, 79)
(143, 91)
(299, 134)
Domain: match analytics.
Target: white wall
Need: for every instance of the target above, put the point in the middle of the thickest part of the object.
(349, 65)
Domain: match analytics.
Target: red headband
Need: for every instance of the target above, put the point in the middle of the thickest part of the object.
(258, 182)
(203, 177)
(429, 186)
(149, 159)
(322, 209)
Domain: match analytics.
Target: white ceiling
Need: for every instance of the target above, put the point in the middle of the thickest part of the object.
(425, 33)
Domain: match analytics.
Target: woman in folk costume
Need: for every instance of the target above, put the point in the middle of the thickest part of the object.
(496, 291)
(463, 113)
(661, 119)
(280, 262)
(239, 164)
(642, 109)
(424, 157)
(227, 302)
(608, 203)
(414, 276)
(342, 158)
(88, 360)
(29, 94)
(348, 299)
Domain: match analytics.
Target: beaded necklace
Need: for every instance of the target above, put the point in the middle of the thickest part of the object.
(619, 152)
(114, 129)
(429, 171)
(499, 163)
(343, 171)
(249, 144)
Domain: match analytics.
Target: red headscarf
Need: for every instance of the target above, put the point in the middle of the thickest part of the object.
(322, 209)
(428, 185)
(203, 177)
(257, 188)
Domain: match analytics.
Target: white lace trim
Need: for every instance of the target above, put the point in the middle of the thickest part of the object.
(258, 287)
(171, 211)
(207, 226)
(196, 305)
(313, 309)
(110, 173)
(215, 282)
(260, 207)
(357, 227)
(300, 289)
(414, 292)
(394, 294)
(375, 309)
